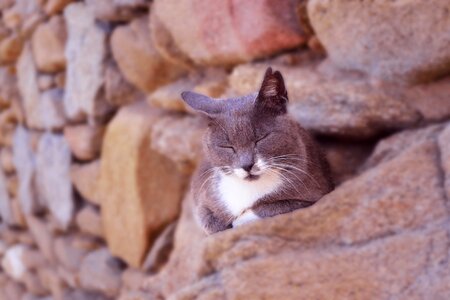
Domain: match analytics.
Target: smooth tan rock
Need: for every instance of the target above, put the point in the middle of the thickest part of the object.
(48, 43)
(137, 58)
(244, 30)
(385, 39)
(99, 274)
(88, 221)
(381, 235)
(147, 186)
(85, 141)
(85, 178)
(9, 91)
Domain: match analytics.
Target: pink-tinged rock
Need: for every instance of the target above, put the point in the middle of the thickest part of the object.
(6, 211)
(230, 32)
(43, 236)
(385, 39)
(55, 6)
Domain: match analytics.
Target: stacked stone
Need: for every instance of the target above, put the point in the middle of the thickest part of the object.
(96, 147)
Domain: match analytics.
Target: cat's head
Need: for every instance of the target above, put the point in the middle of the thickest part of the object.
(246, 134)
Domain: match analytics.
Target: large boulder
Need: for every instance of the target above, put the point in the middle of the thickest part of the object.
(345, 105)
(385, 38)
(137, 58)
(141, 188)
(243, 30)
(382, 235)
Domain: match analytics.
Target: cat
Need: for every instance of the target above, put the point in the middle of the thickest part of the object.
(258, 163)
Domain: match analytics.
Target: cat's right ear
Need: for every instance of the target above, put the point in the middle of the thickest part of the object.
(202, 104)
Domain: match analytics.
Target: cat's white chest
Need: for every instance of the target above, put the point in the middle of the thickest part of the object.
(238, 194)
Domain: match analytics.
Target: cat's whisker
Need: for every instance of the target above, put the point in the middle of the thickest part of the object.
(290, 173)
(299, 170)
(285, 179)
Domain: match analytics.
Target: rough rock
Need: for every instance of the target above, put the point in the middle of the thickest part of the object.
(10, 48)
(382, 38)
(85, 141)
(53, 160)
(98, 274)
(85, 178)
(348, 106)
(118, 91)
(50, 279)
(41, 111)
(211, 83)
(160, 251)
(33, 285)
(43, 236)
(48, 43)
(68, 254)
(351, 244)
(85, 53)
(117, 10)
(137, 58)
(25, 165)
(6, 160)
(88, 221)
(140, 178)
(20, 13)
(244, 30)
(56, 6)
(6, 212)
(9, 91)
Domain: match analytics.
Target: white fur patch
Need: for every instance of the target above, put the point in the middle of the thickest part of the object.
(247, 217)
(239, 194)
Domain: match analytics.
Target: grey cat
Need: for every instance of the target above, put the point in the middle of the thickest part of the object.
(259, 161)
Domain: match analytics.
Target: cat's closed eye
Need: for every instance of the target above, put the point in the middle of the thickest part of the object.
(227, 147)
(261, 138)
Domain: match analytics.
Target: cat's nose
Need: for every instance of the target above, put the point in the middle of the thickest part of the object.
(247, 167)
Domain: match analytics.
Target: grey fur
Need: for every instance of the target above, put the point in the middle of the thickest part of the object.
(258, 124)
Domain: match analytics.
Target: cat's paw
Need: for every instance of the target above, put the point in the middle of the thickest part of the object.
(246, 217)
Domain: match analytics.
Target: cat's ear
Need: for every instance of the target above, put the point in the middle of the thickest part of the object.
(203, 104)
(272, 96)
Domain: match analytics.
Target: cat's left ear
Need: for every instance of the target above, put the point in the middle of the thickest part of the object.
(203, 104)
(272, 96)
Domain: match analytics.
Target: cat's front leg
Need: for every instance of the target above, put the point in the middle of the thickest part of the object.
(212, 223)
(246, 217)
(273, 208)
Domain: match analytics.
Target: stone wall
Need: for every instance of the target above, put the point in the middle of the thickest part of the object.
(96, 148)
